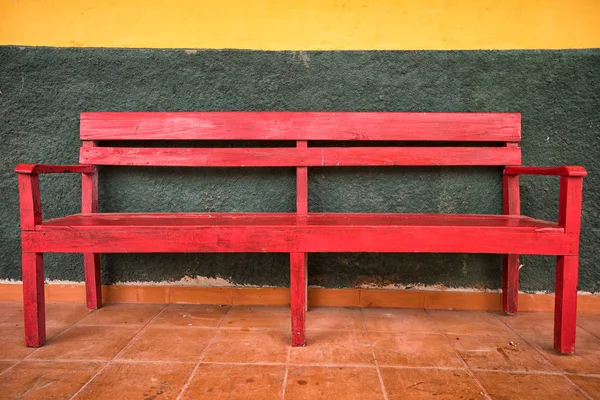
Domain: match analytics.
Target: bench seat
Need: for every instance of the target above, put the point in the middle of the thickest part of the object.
(290, 232)
(152, 220)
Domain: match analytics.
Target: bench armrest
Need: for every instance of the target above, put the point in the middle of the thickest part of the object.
(30, 203)
(556, 171)
(569, 205)
(54, 169)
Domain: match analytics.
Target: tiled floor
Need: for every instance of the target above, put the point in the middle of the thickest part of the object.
(151, 352)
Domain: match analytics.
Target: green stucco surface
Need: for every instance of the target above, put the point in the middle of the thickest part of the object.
(43, 90)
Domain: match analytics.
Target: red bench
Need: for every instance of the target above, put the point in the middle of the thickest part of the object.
(302, 232)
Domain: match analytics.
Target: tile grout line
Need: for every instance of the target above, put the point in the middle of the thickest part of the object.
(466, 366)
(287, 369)
(560, 372)
(67, 327)
(202, 355)
(590, 332)
(383, 389)
(120, 351)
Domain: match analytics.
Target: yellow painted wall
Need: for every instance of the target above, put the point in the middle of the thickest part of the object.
(303, 24)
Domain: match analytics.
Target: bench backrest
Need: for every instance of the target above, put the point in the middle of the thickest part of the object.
(410, 139)
(485, 138)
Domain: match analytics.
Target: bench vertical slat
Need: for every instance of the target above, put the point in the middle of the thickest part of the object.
(301, 184)
(510, 262)
(91, 261)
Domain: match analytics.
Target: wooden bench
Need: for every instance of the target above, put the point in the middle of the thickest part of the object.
(480, 139)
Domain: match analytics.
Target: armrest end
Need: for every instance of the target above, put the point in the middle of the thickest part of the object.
(54, 169)
(25, 168)
(555, 171)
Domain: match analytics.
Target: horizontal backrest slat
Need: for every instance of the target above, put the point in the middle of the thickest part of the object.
(294, 157)
(400, 126)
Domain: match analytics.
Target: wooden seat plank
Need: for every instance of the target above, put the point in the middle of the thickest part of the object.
(150, 220)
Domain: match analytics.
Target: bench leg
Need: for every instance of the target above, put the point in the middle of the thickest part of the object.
(510, 283)
(565, 307)
(93, 282)
(298, 296)
(33, 299)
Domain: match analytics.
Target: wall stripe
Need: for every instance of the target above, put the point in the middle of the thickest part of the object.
(303, 24)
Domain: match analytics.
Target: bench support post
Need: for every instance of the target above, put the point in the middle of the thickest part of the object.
(91, 261)
(298, 297)
(510, 262)
(565, 306)
(34, 308)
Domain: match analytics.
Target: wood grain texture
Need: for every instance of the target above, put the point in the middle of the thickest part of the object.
(298, 297)
(301, 156)
(303, 238)
(491, 127)
(302, 184)
(53, 169)
(565, 314)
(121, 221)
(30, 203)
(569, 206)
(91, 261)
(34, 310)
(510, 262)
(510, 283)
(565, 309)
(557, 171)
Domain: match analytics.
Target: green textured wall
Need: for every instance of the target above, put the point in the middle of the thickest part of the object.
(557, 92)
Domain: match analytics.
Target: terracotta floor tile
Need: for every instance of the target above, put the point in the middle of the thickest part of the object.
(192, 315)
(66, 313)
(421, 384)
(125, 381)
(122, 314)
(586, 359)
(248, 347)
(506, 352)
(345, 383)
(590, 322)
(469, 322)
(235, 382)
(159, 343)
(46, 380)
(12, 341)
(510, 386)
(87, 343)
(589, 384)
(414, 349)
(329, 347)
(257, 318)
(10, 309)
(530, 322)
(334, 318)
(4, 365)
(56, 314)
(398, 320)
